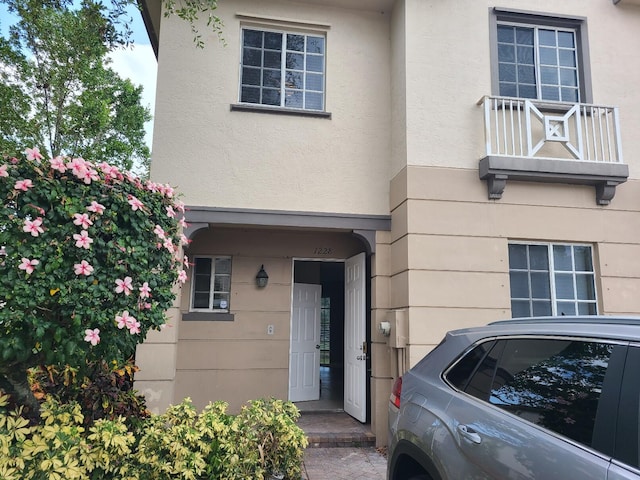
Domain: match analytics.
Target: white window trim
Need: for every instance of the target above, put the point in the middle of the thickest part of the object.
(553, 271)
(211, 287)
(284, 31)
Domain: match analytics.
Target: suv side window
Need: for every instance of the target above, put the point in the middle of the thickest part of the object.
(628, 431)
(550, 382)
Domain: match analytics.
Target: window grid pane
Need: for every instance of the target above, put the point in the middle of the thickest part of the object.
(282, 69)
(211, 283)
(538, 62)
(551, 279)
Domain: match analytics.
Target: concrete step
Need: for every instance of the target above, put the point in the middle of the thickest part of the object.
(341, 439)
(335, 429)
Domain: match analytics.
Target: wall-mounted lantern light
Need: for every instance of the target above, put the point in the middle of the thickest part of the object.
(262, 278)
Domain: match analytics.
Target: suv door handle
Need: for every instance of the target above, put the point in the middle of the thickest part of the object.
(469, 433)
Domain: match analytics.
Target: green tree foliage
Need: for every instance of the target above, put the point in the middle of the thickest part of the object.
(191, 11)
(91, 259)
(57, 90)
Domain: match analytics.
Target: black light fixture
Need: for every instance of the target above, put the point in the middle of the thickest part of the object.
(262, 278)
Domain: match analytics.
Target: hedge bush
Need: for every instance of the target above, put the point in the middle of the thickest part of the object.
(179, 444)
(101, 389)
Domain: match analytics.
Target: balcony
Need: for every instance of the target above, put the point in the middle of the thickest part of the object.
(540, 141)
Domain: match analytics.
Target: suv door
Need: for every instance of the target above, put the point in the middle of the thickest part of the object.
(529, 410)
(626, 462)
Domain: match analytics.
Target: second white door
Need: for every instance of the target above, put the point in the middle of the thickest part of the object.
(304, 359)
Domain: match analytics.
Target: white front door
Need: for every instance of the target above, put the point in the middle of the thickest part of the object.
(304, 359)
(355, 355)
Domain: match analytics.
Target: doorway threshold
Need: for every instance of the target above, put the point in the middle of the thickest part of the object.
(320, 406)
(335, 429)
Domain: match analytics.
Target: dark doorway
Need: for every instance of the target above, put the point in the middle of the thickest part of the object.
(330, 275)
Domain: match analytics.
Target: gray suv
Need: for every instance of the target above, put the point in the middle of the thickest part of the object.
(536, 398)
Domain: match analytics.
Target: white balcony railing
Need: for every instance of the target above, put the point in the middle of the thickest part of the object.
(530, 140)
(517, 127)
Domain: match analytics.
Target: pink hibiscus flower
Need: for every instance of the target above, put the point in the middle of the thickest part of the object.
(83, 268)
(92, 336)
(96, 208)
(28, 265)
(159, 232)
(83, 240)
(57, 163)
(135, 203)
(168, 244)
(124, 285)
(145, 291)
(82, 219)
(23, 185)
(3, 171)
(33, 227)
(78, 166)
(33, 154)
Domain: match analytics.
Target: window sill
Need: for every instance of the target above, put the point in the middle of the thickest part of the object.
(207, 317)
(243, 107)
(605, 177)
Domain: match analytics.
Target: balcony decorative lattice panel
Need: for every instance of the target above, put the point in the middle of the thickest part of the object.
(551, 142)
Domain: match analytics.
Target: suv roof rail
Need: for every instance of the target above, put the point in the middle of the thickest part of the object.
(590, 319)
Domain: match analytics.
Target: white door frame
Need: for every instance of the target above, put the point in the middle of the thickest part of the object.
(358, 404)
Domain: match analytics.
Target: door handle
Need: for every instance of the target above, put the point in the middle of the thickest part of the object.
(469, 433)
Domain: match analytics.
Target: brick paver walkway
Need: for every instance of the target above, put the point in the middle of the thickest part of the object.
(344, 463)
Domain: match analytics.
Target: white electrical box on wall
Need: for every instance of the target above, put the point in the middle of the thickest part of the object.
(399, 334)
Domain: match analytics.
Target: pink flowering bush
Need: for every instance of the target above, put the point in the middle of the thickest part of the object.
(90, 257)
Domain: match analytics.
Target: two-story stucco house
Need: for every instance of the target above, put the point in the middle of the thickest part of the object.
(431, 164)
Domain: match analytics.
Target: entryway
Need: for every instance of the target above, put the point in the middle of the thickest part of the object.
(328, 356)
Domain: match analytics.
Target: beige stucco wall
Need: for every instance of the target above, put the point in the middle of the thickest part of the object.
(274, 161)
(449, 246)
(447, 70)
(237, 360)
(156, 358)
(405, 137)
(381, 366)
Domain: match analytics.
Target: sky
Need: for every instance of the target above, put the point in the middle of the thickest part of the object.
(138, 63)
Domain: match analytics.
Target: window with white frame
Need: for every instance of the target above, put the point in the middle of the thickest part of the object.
(211, 284)
(541, 57)
(551, 279)
(282, 69)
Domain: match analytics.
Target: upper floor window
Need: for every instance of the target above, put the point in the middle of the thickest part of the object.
(551, 279)
(283, 69)
(211, 284)
(541, 57)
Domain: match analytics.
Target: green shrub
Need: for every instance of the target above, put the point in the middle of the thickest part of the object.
(105, 392)
(270, 424)
(179, 444)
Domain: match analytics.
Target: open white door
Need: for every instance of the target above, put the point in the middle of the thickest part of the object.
(304, 359)
(355, 355)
